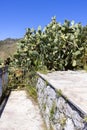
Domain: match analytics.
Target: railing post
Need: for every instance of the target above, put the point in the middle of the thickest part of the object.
(1, 72)
(3, 79)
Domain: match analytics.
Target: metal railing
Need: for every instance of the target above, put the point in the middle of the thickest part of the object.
(3, 79)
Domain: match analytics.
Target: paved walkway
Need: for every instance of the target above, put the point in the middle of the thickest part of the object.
(73, 85)
(21, 113)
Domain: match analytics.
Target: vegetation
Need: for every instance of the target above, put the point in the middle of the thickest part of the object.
(7, 48)
(52, 111)
(62, 121)
(56, 47)
(85, 119)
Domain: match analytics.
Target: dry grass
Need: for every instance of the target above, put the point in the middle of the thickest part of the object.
(7, 49)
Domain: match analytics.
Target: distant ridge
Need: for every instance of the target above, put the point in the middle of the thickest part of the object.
(7, 47)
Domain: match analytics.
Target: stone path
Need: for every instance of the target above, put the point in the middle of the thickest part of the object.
(21, 113)
(73, 85)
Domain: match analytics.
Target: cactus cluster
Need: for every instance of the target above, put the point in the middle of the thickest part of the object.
(57, 46)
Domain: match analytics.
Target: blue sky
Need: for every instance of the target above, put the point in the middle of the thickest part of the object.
(17, 15)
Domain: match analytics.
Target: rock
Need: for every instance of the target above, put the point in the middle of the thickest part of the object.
(69, 125)
(61, 104)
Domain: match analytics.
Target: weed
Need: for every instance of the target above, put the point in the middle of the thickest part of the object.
(59, 92)
(52, 111)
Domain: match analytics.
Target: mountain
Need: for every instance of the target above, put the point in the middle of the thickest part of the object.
(7, 47)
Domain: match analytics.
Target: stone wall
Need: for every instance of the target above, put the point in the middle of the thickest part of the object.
(58, 112)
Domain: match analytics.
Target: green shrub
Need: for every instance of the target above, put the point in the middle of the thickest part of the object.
(57, 46)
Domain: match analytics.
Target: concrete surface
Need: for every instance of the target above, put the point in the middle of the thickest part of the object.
(73, 85)
(21, 113)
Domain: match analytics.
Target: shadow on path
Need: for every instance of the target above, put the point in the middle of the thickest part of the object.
(3, 103)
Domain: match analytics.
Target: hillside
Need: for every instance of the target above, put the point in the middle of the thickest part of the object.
(7, 48)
